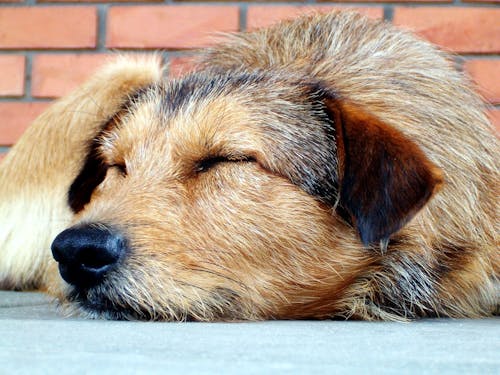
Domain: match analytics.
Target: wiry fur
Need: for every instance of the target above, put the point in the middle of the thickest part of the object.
(236, 190)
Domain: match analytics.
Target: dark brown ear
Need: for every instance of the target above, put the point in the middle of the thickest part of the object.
(384, 177)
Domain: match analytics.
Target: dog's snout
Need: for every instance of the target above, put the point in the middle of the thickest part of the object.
(87, 253)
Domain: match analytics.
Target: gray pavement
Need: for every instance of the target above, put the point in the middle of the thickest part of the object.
(35, 339)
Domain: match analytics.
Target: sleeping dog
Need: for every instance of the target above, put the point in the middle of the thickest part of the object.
(327, 167)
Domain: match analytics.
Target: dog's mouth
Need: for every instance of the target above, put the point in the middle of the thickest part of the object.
(112, 301)
(121, 301)
(91, 304)
(94, 303)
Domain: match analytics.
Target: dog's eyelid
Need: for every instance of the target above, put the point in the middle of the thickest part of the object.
(121, 167)
(209, 162)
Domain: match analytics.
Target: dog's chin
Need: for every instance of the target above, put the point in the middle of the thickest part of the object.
(105, 302)
(95, 303)
(121, 296)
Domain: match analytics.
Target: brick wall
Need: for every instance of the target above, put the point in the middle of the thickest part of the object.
(47, 47)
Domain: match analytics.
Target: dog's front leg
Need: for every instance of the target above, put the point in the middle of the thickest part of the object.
(36, 174)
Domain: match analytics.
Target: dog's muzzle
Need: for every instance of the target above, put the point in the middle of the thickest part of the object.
(87, 253)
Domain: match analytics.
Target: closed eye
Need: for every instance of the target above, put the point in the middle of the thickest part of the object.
(210, 162)
(120, 167)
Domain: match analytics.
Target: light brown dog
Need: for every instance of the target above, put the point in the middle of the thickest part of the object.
(330, 166)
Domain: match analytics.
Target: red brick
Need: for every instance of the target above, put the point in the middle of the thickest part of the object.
(181, 65)
(98, 1)
(486, 73)
(261, 16)
(494, 116)
(12, 81)
(16, 117)
(48, 27)
(249, 1)
(57, 75)
(384, 1)
(457, 29)
(168, 26)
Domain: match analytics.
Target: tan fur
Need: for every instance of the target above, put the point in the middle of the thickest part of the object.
(253, 236)
(36, 174)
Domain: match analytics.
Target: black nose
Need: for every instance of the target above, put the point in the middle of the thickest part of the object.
(87, 253)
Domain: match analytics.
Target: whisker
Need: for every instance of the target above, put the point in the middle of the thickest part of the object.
(218, 274)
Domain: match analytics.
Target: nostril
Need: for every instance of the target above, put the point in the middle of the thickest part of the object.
(86, 253)
(92, 257)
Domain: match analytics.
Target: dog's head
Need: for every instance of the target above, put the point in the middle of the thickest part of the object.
(229, 196)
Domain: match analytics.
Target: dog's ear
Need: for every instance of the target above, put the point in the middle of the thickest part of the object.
(384, 177)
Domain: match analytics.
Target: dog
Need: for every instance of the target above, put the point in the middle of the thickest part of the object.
(327, 167)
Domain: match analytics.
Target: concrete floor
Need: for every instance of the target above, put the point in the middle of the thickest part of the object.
(34, 339)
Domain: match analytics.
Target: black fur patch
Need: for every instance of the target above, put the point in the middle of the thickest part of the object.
(91, 175)
(94, 169)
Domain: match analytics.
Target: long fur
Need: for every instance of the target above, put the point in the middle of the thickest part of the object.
(329, 166)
